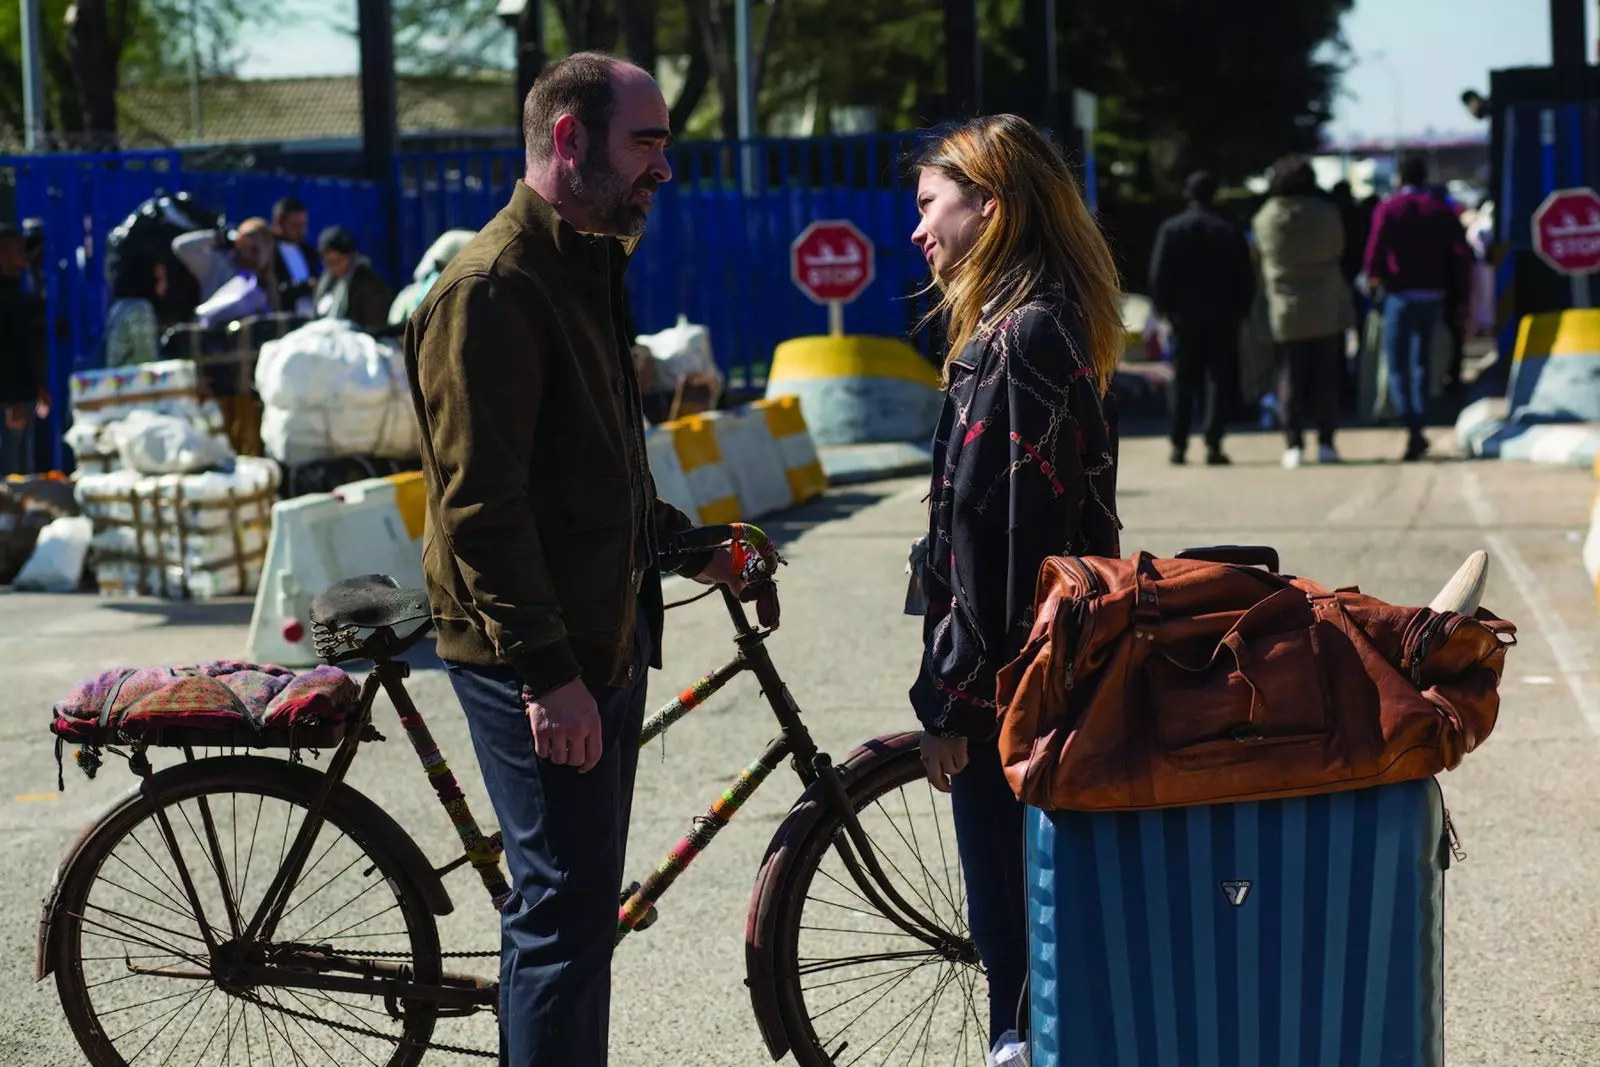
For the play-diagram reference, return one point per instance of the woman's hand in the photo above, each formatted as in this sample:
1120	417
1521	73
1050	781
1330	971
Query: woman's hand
941	758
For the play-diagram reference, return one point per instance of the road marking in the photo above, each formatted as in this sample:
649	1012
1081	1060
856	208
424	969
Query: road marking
1570	659
33	798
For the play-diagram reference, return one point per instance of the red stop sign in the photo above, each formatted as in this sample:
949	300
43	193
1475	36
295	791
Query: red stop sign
1566	230
831	261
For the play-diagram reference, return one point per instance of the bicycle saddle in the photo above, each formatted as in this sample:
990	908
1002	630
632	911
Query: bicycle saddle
368	602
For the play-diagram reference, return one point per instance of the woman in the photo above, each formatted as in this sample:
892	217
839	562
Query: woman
132	326
1301	238
349	288
1024	468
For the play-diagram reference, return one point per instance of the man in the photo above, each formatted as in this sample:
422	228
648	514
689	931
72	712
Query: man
294	261
540	551
216	257
350	288
24	391
1203	281
1417	255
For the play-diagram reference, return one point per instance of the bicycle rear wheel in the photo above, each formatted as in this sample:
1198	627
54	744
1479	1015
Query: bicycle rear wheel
853	987
134	972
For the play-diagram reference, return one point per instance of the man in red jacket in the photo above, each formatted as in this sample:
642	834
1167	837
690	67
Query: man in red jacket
1417	254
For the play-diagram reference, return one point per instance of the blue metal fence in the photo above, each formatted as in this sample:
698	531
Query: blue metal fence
717	250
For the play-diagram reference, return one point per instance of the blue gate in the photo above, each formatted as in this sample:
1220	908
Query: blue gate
717	251
80	199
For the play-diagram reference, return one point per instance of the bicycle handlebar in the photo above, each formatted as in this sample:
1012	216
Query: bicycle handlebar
755	558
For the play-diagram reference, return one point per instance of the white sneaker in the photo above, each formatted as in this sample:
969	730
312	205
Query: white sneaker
1009	1051
1291	458
1327	454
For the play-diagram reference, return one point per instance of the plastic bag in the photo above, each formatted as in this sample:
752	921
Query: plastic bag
681	349
56	565
152	443
239	298
331	390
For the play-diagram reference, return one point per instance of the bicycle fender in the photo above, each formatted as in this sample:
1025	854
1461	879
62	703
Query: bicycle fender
387	832
760	925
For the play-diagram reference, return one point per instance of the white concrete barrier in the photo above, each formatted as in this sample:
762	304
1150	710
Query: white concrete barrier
367	527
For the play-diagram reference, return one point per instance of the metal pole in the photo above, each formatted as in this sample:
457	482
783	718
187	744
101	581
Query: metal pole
963	59
32	78
747	97
1568	49
196	116
380	134
1580	291
835	319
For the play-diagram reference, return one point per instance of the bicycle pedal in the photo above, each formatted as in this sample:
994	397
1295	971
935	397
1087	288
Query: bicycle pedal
650	916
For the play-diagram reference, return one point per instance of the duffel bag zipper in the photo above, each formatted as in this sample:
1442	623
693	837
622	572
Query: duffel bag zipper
1422	645
1079	616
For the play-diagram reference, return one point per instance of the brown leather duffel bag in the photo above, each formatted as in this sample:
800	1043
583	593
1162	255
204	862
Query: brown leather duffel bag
1152	682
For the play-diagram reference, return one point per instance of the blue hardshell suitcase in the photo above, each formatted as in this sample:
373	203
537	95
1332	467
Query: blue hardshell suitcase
1286	933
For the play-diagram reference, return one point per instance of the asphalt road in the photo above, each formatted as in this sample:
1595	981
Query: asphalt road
1523	983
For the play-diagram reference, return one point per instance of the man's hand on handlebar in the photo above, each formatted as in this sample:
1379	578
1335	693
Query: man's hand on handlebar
721	571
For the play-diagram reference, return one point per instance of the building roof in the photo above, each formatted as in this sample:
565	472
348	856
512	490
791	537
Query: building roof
305	109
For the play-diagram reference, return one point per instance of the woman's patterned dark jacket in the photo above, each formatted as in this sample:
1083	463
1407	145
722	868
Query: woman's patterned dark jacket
1024	468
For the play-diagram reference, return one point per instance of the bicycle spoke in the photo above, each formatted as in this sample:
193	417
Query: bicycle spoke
392	907
135	893
306	899
176	1045
183	896
144	1004
337	1033
114	934
847	981
177	905
926	874
838	930
850	961
169	1017
907	1017
250	853
306	934
916	847
944	858
897	983
212	1039
302	1028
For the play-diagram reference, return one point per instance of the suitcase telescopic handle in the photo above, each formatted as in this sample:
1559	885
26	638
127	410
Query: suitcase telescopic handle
1243	555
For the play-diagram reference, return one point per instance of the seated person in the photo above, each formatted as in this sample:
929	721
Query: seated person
349	288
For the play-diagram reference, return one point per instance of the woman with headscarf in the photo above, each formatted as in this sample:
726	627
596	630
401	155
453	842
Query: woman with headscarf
133	331
349	288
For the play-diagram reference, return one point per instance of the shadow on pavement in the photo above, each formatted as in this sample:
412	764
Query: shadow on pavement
234	611
786	527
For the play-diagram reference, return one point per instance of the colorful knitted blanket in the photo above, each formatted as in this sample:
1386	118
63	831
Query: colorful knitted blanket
221	695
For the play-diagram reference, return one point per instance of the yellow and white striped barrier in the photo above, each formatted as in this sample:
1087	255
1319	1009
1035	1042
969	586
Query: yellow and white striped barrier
743	463
372	526
1555	370
798	453
717	468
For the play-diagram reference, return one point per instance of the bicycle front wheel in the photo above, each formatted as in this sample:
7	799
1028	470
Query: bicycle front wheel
853	986
136	970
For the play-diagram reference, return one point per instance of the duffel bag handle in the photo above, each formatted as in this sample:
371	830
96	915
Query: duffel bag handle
1242	555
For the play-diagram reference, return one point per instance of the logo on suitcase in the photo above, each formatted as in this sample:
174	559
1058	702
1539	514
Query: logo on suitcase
1236	892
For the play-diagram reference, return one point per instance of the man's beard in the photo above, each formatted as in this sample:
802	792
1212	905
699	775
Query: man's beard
607	195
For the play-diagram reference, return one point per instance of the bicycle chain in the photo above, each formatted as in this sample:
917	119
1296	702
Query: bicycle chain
436	1046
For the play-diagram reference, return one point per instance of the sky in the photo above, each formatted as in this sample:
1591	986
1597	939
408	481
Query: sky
1430	50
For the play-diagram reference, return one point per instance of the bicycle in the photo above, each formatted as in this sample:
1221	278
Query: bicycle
824	874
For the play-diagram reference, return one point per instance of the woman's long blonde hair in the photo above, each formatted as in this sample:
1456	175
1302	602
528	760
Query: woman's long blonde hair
1040	229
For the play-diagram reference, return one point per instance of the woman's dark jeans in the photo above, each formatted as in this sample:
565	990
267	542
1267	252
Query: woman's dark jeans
989	837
